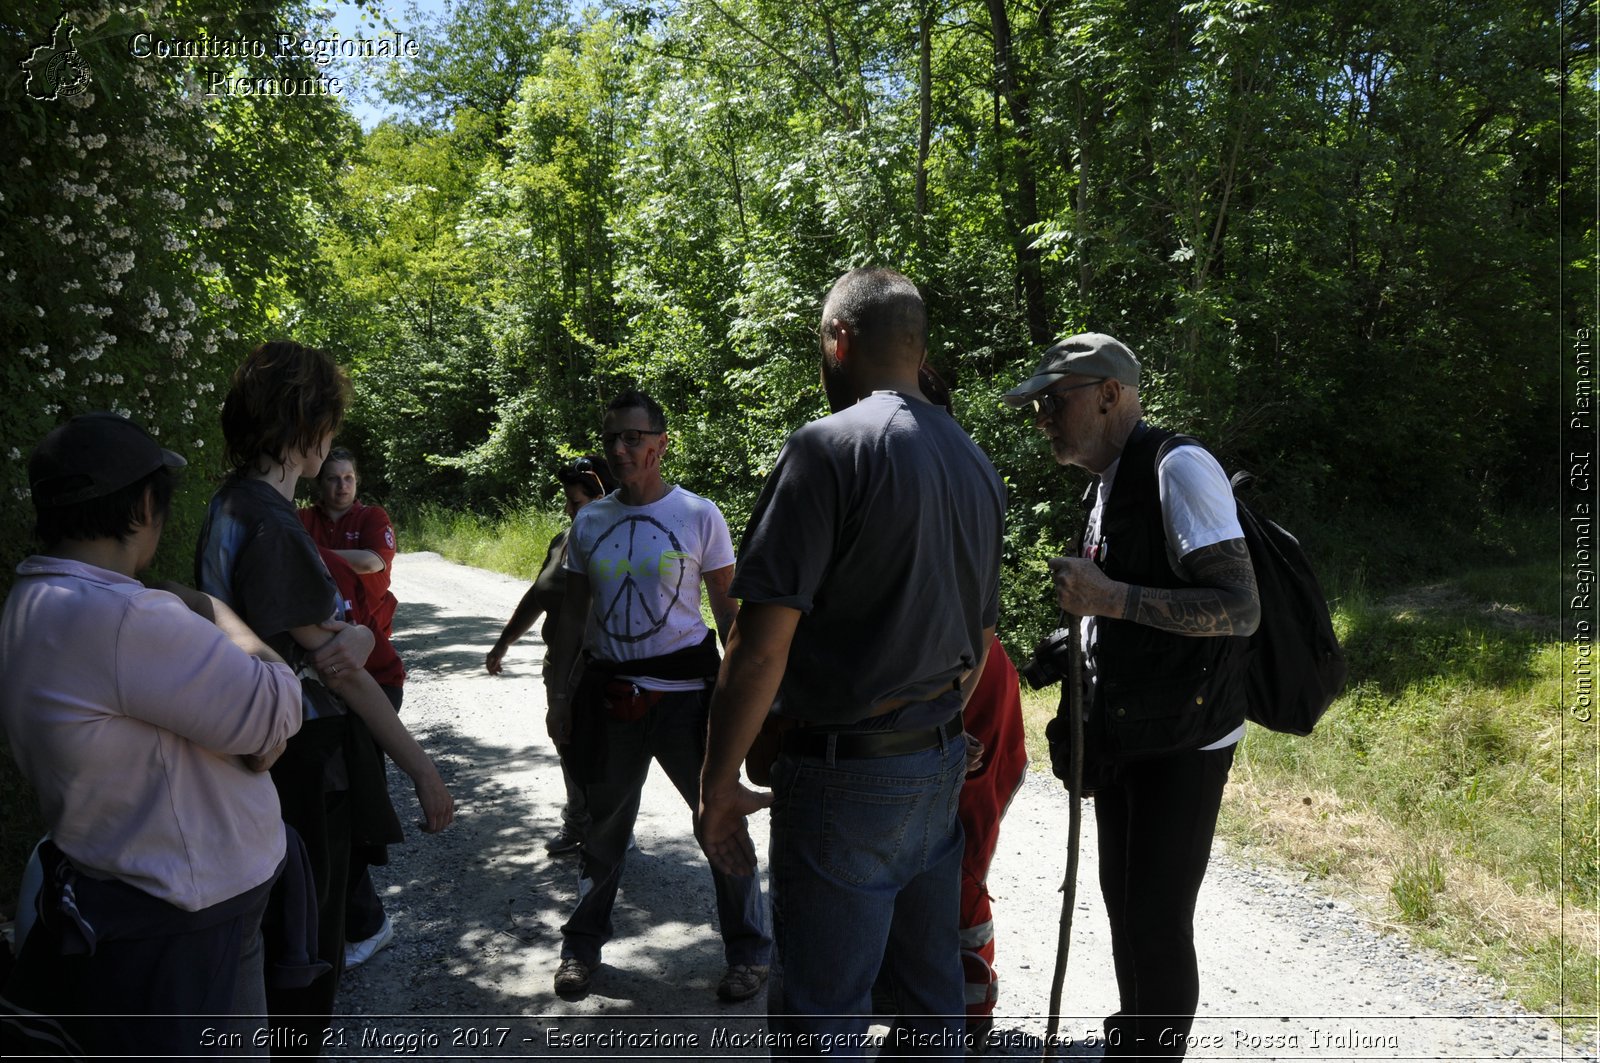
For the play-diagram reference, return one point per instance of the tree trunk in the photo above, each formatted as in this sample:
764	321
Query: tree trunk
1025	205
925	113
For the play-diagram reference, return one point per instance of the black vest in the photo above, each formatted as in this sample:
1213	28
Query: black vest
1156	693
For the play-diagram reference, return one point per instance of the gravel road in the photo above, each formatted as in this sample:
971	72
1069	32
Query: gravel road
1287	974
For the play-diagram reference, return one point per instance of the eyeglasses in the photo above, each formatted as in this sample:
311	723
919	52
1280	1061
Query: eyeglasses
1049	402
631	437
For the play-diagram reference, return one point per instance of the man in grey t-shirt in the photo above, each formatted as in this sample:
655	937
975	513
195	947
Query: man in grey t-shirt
869	576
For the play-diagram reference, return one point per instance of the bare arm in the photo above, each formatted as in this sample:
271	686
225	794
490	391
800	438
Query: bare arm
723	606
1224	600
561	658
363	561
752	669
525	616
346	651
969	682
361	693
227	621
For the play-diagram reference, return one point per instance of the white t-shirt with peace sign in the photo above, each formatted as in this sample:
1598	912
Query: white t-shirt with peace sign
644	565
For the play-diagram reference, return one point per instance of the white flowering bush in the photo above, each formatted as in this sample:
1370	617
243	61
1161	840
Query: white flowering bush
150	234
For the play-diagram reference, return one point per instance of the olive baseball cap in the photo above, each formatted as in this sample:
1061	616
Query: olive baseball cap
91	456
1086	354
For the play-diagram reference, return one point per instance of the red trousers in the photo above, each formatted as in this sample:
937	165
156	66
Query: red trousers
994	717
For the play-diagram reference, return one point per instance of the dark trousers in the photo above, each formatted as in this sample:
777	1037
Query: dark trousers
363	910
673	734
1155	824
127	975
299	1017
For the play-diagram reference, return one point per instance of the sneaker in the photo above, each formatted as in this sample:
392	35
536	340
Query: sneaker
563	844
742	981
358	952
572	978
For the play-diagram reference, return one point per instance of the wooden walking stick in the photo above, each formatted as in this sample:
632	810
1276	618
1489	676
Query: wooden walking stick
1072	697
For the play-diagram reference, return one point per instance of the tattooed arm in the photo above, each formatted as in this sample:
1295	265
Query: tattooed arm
1224	600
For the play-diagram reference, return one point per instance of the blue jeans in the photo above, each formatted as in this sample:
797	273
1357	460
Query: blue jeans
866	874
673	732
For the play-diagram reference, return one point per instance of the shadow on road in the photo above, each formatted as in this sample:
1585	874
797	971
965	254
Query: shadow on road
478	908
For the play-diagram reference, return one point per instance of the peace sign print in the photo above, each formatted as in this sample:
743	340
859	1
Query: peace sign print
637	567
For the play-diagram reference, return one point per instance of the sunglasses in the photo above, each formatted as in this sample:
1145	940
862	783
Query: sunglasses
1049	402
630	437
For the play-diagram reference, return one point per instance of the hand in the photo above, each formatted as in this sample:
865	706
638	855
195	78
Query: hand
492	659
1083	590
974	753
722	830
438	807
264	761
558	721
347	651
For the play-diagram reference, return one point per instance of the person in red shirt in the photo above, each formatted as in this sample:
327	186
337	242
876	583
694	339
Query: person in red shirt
357	544
364	538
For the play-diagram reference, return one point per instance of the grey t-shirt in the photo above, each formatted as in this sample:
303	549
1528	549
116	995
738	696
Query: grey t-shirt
882	524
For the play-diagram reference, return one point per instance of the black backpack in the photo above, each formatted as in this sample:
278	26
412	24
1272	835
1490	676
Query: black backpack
1294	666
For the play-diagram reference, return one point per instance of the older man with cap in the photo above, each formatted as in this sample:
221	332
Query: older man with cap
146	731
1166	594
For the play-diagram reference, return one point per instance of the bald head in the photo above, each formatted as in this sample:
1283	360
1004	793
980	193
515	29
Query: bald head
883	312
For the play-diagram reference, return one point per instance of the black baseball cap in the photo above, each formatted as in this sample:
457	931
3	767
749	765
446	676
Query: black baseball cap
91	456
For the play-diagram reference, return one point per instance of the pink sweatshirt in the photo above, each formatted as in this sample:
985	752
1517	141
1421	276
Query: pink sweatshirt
129	714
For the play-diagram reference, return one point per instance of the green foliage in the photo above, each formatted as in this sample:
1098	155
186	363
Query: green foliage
1330	232
1310	223
149	233
1416	889
478	55
1451	733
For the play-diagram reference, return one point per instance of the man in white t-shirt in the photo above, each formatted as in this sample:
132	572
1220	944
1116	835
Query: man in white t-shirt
1167	597
636	560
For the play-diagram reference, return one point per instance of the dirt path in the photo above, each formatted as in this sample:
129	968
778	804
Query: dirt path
1286	973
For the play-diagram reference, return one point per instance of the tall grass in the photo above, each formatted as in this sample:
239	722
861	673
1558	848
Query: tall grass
1449	778
513	541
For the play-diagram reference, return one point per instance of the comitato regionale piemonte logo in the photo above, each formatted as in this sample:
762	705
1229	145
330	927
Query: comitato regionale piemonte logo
56	70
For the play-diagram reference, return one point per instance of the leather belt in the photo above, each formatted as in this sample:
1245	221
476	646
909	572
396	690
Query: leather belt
814	742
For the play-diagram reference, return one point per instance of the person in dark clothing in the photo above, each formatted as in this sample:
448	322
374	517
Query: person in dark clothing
869	582
582	482
1166	595
283	406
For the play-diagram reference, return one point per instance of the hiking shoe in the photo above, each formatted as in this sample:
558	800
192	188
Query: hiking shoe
563	844
572	978
741	981
358	952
